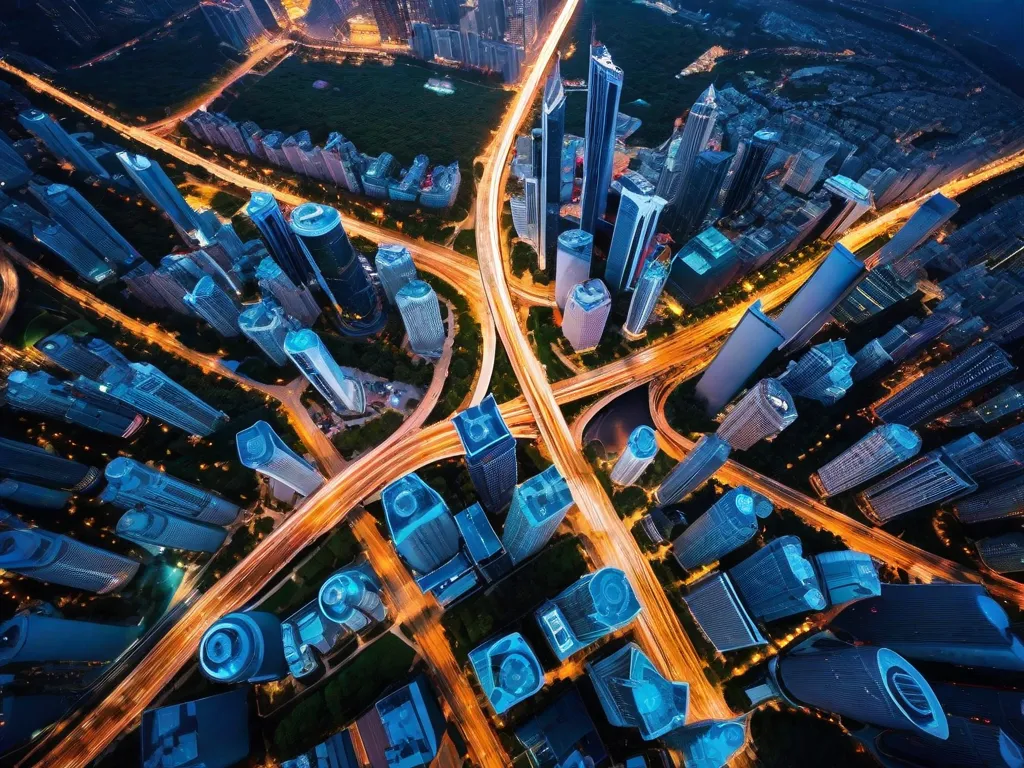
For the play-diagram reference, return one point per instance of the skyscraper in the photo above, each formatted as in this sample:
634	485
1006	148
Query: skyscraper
421	314
881	449
295	300
755	337
762	413
805	170
413	724
849	201
847	576
76	215
699	196
245	645
822	374
262	449
990	461
33	637
926	221
349	597
538	507
151	180
281	241
156	528
635	226
553	134
1004	501
60	143
508	671
778	581
395	268
73	252
392	17
704	266
686	144
720	614
645	297
234	22
586	314
85	358
314	361
33	495
751	167
705	458
640	450
14	171
267	326
421	526
213	732
572	266
971	744
727	525
41	393
932	478
604	88
807	311
131	484
215	306
1003	553
23	461
490	452
634	694
710	743
57	559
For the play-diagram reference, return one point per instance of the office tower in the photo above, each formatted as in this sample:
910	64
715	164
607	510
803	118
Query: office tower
640	450
295	300
73	212
41	393
704	266
848	202
805	170
822	374
282	243
1006	500
243	646
57	559
990	461
635	226
32	637
870	359
508	671
604	88
86	358
930	479
597	605
23	461
352	599
151	180
750	171
1004	553
952	623
421	314
726	526
879	450
538	507
156	528
778	581
562	734
522	20
421	526
875	686
33	495
491	18
634	694
267	325
1010	400
395	268
722	619
482	543
926	221
686	144
413	725
392	17
337	751
215	306
645	297
761	414
14	172
490	452
341	391
946	385
334	261
699	196
586	314
73	252
262	449
64	146
705	458
847	576
420	40
572	265
131	484
150	391
234	23
553	135
970	744
212	732
807	311
709	743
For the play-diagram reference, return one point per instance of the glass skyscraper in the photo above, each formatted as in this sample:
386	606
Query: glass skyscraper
572	266
281	241
131	484
932	478
705	265
156	528
926	221
822	374
23	461
686	144
586	314
395	268
604	89
32	637
267	326
421	526
421	314
778	581
89	358
215	306
807	311
553	134
508	671
727	525
645	297
313	359
881	449
57	559
765	411
538	507
74	403
700	195
705	458
73	252
151	180
295	299
751	167
60	143
640	450
490	452
351	598
635	226
262	449
243	646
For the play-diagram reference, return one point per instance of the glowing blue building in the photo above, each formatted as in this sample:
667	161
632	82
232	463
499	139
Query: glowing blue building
154	528
710	743
23	461
77	215
586	314
294	298
552	137
413	725
705	458
33	637
572	266
349	597
281	241
74	402
1004	553
60	143
538	507
151	180
212	303
635	225
686	143
490	452
822	374
73	252
645	297
727	525
57	559
778	581
421	314
762	413
604	89
421	527
262	449
87	358
267	326
395	268
705	265
637	456
131	484
721	615
847	576
246	645
508	671
881	449
314	361
807	311
33	495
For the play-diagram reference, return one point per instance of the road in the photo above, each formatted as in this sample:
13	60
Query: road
10	290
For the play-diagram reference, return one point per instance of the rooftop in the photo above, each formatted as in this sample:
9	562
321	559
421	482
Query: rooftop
481	426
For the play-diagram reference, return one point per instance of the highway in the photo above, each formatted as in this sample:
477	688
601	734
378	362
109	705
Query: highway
11	290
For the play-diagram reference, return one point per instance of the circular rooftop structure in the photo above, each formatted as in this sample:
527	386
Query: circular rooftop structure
13	635
314	219
911	693
339	595
614	600
518	674
231	648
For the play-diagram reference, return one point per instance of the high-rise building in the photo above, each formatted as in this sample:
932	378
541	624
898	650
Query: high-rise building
538	507
234	22
847	576
131	484
212	732
572	266
150	391
413	725
508	671
33	495
41	393
156	528
392	17
720	614
262	449
822	374
755	337
870	359
704	266
970	744
645	297
267	326
586	314
1006	500
151	180
604	89
23	461
807	311
951	623
64	146
640	450
634	694
727	525
1003	553
73	252
57	559
295	300
755	154
311	356
215	306
881	449
686	144
421	314
932	478
395	268
635	226
762	413
553	135
926	221
805	170
33	637
597	605
709	743
351	598
700	195
490	452
243	646
705	458
946	385
282	243
420	523
778	581
990	461
88	358
848	202
14	171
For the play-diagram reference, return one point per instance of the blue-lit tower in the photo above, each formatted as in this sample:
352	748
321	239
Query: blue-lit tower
351	598
57	559
750	171
778	581
640	450
131	484
395	268
33	637
76	403
807	311
597	605
572	263
508	671
86	358
553	134
73	252
314	361
60	143
701	193
490	452
295	299
33	495
156	528
635	225
281	241
267	326
727	525
879	450
847	576
710	743
705	458
151	180
421	526
586	314
262	449
215	306
686	144
24	461
243	646
604	89
645	297
77	215
822	374
421	314
762	413
538	507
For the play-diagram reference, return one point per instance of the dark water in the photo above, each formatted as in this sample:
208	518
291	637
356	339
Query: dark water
613	424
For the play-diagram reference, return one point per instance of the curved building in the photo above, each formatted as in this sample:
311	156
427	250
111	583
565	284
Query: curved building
421	314
23	461
246	645
33	495
421	526
32	637
281	241
350	598
1003	554
313	359
640	450
762	413
727	525
710	743
60	142
151	180
778	581
572	263
586	314
131	484
538	507
508	671
705	458
598	604
267	326
156	528
645	298
395	268
57	559
490	452
881	449
41	393
847	576
262	449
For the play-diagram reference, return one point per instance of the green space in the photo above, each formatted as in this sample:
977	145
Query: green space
546	332
787	737
339	549
466	352
352	441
